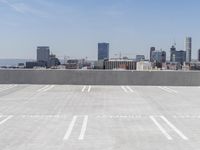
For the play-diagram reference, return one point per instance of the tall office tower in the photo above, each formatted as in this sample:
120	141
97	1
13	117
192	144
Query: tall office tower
172	53
199	54
188	49
159	56
43	53
103	51
152	49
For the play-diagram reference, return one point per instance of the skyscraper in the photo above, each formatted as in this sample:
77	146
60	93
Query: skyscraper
188	49
159	56
172	53
152	49
177	56
43	53
199	54
103	51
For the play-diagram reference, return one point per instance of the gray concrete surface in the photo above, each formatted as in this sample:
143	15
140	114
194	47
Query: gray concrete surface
91	77
78	117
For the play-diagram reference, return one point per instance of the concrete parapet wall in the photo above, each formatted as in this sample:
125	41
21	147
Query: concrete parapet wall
100	77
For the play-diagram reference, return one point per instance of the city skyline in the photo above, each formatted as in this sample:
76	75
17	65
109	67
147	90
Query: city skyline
73	28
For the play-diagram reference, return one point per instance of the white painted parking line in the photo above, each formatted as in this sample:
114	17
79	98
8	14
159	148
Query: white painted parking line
130	89
161	128
46	88
166	89
89	88
3	121
125	90
43	88
174	128
170	89
7	88
68	133
83	89
83	129
49	88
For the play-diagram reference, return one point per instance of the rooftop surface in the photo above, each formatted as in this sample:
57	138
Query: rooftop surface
69	117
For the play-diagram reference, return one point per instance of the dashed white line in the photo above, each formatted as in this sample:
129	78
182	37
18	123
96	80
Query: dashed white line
83	129
3	121
174	128
68	133
161	128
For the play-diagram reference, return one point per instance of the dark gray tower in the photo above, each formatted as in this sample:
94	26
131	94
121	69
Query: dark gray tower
199	54
172	53
152	49
43	53
103	51
188	49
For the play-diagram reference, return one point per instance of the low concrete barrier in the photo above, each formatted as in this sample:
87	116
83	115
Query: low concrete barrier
100	77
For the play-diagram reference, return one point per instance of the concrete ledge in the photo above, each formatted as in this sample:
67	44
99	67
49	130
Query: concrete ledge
100	77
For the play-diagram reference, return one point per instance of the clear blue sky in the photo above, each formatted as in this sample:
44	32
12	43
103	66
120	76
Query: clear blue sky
74	27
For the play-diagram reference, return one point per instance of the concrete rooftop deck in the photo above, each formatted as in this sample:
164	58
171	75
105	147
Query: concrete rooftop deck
72	117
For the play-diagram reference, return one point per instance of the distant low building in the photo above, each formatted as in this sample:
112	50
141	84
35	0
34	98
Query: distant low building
144	66
77	64
31	65
116	64
195	66
53	61
140	58
99	64
21	65
171	66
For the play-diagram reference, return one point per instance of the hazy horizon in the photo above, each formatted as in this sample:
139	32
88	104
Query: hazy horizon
73	28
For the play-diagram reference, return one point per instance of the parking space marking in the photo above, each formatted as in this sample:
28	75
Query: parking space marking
83	89
83	129
125	90
49	88
174	128
130	89
166	89
7	88
3	121
43	88
46	88
87	88
69	130
161	128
